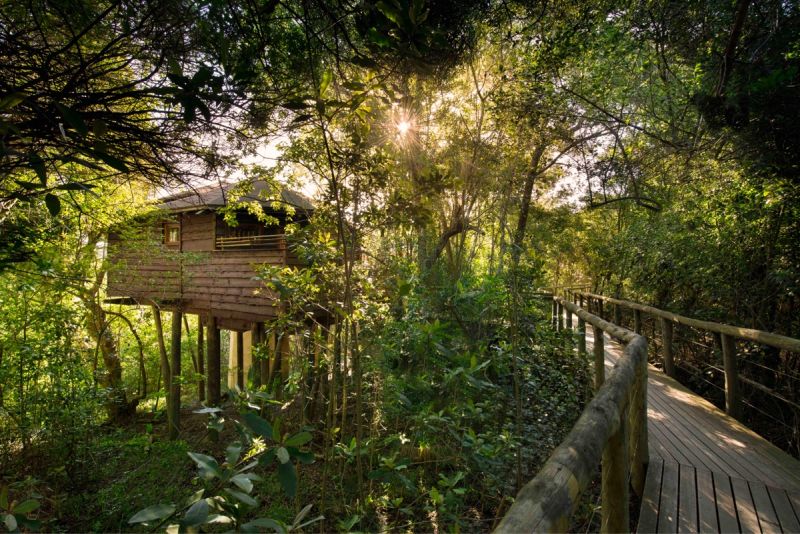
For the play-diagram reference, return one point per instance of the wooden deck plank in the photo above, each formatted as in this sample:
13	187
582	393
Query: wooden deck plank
715	475
794	498
790	521
706	502
735	443
725	446
783	509
767	517
686	435
748	519
687	500
648	514
668	507
726	507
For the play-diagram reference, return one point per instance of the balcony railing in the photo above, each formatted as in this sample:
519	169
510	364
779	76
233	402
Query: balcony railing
260	242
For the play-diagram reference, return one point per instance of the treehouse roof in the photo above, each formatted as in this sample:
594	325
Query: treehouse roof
218	195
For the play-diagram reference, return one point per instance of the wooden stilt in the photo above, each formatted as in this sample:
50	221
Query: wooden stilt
174	404
214	392
263	364
201	367
255	363
240	359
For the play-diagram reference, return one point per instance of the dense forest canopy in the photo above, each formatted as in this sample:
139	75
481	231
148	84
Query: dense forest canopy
462	154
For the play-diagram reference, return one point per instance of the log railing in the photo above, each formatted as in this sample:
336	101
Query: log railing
729	335
611	431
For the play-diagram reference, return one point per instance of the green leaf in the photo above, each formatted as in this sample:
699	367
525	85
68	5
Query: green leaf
11	522
299	439
207	410
257	525
11	101
287	476
152	513
232	453
378	38
365	62
28	186
243	497
389	12
73	118
258	425
75	186
53	204
4	498
325	82
111	161
209	468
37	164
26	507
303	457
296	104
244	483
99	128
283	455
196	515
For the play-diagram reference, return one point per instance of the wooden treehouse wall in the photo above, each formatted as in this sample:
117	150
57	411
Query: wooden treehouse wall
192	273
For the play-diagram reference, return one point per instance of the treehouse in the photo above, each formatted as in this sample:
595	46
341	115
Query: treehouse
191	258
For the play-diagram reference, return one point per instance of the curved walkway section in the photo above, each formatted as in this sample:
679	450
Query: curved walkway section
707	471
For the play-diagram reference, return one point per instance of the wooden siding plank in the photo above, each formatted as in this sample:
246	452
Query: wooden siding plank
668	508
726	506
648	513
687	500
767	517
748	519
706	502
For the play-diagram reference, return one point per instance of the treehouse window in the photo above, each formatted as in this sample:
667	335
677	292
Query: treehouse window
172	234
249	232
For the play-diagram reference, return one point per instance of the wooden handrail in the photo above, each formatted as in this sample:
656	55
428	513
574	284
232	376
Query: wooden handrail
612	431
728	336
738	332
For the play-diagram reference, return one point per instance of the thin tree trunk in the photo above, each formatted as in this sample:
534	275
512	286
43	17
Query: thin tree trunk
166	373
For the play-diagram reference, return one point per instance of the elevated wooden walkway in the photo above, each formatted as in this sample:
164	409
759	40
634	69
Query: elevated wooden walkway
708	472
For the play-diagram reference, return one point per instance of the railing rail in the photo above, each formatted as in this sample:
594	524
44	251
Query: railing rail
729	335
612	431
277	241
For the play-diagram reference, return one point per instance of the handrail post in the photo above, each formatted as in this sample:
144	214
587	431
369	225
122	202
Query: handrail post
560	316
554	313
581	337
733	398
614	492
637	321
617	315
599	358
666	347
640	450
569	320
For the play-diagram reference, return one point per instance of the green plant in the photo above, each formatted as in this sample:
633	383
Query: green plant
226	498
15	514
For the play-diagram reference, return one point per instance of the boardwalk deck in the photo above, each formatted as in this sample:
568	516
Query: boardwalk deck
708	472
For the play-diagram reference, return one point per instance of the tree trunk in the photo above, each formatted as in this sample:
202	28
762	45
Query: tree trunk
117	405
162	351
525	205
